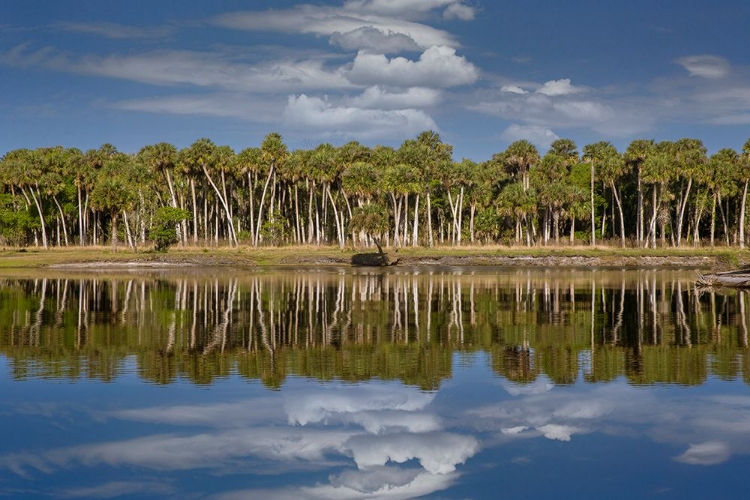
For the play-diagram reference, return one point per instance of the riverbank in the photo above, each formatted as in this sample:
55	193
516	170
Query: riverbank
247	257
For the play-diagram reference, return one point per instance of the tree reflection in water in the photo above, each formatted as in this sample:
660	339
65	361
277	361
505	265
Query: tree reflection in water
651	326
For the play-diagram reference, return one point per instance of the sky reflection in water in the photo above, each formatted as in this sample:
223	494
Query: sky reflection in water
478	435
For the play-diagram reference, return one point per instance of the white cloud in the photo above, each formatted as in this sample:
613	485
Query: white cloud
708	453
437	452
558	105
399	8
459	11
380	482
316	406
202	69
322	117
437	67
559	87
705	66
233	105
169	452
325	21
374	40
513	89
559	432
380	98
537	135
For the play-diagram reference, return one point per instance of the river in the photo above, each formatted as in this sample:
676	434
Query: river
368	383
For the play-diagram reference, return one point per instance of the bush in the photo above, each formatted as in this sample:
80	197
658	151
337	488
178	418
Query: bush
164	230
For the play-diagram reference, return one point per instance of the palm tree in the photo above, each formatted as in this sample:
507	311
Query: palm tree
635	156
690	155
432	152
205	156
273	153
519	158
723	166
612	169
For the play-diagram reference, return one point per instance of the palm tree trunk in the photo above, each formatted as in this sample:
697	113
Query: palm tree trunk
593	219
713	219
81	229
260	207
62	218
195	212
41	217
619	209
639	229
683	204
232	236
742	216
415	230
429	219
339	231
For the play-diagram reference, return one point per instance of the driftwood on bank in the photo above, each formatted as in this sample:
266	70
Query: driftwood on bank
373	259
732	279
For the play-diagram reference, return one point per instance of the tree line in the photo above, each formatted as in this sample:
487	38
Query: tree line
669	193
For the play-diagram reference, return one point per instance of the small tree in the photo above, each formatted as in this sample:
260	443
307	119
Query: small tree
373	220
164	230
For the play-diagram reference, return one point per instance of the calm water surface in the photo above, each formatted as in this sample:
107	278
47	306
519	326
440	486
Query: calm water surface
450	383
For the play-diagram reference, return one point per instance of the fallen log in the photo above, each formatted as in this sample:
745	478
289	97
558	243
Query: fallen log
731	279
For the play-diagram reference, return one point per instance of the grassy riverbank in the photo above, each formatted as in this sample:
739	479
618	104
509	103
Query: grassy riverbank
245	256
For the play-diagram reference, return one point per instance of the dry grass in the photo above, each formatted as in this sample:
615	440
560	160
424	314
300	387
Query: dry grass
311	254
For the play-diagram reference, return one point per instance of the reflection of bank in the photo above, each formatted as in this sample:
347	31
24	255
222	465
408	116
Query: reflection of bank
355	325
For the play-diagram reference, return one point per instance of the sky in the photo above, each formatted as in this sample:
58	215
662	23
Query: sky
481	73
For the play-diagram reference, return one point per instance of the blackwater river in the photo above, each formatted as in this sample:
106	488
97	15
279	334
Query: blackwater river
367	383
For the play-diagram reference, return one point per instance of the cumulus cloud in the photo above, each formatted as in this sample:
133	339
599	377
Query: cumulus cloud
559	432
374	40
438	66
378	97
437	452
537	135
559	87
368	403
320	116
705	66
514	89
708	453
459	11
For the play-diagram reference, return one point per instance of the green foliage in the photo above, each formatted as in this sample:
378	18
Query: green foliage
274	231
15	222
164	232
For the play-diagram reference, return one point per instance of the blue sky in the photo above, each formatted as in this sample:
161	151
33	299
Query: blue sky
483	74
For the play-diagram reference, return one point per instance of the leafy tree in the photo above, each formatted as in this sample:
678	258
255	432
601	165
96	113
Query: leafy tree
371	219
165	223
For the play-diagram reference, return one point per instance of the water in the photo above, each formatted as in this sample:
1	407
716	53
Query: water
444	383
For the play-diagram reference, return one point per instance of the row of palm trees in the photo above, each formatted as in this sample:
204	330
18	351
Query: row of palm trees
666	193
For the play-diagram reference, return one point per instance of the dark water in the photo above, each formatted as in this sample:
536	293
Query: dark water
473	383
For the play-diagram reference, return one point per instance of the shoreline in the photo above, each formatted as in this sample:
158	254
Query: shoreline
103	258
